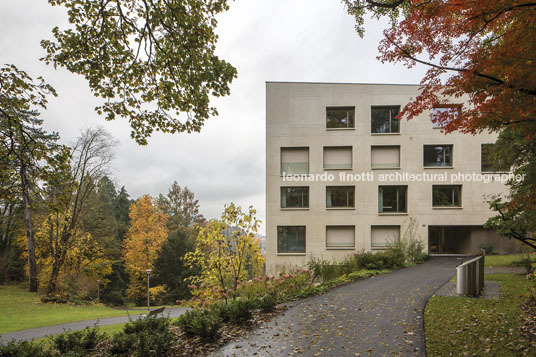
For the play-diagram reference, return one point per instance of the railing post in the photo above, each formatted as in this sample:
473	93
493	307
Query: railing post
470	277
461	279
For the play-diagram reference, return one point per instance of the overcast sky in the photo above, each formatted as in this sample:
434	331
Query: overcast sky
266	40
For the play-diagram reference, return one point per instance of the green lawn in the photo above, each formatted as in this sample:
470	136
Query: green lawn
457	326
20	310
504	260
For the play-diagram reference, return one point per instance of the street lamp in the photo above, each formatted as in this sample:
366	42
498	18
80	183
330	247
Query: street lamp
148	271
98	291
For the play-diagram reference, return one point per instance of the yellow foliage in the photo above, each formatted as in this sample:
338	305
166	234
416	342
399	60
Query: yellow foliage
227	253
147	232
85	256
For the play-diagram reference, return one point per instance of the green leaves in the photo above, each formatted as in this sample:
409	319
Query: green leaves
151	61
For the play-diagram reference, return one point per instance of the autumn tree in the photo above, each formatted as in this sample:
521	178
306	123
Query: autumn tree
479	49
69	192
151	62
144	239
227	252
29	155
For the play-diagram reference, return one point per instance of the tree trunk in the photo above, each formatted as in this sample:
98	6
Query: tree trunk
32	265
52	283
58	257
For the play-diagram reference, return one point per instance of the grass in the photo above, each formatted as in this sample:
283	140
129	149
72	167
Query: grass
507	260
456	326
21	310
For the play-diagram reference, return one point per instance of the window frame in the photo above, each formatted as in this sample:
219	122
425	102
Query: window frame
445	106
347	198
453	206
294	208
348	109
386	246
397	212
294	148
372	167
391	119
352	247
339	147
304	239
451	165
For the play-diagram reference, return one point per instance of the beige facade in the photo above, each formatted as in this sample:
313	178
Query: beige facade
298	139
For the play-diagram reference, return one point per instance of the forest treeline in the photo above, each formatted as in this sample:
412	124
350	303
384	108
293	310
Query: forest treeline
86	234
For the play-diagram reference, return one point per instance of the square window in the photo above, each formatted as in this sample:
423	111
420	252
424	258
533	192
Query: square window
340	117
295	161
291	239
382	236
392	199
385	157
384	119
341	237
437	155
294	197
446	195
443	114
489	162
338	157
340	196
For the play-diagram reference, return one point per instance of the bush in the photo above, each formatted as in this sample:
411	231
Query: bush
324	269
143	337
237	312
23	349
267	303
487	248
204	323
525	262
77	343
114	298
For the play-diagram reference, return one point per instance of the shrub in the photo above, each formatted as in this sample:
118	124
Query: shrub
143	337
324	270
291	283
487	248
114	298
77	343
237	312
23	349
268	302
204	323
525	262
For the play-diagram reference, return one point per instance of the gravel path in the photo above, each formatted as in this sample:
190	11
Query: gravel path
41	332
381	316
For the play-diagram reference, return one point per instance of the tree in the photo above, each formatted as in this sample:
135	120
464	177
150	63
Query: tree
170	267
69	192
183	210
122	203
28	154
144	239
227	252
148	60
483	50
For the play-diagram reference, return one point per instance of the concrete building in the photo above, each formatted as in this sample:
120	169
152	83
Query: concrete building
343	175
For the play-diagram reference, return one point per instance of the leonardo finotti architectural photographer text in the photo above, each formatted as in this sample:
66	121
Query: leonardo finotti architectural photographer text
405	177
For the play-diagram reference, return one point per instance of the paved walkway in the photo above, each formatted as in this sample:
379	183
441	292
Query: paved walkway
45	331
381	316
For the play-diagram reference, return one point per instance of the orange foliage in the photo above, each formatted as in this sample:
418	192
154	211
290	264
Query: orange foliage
147	233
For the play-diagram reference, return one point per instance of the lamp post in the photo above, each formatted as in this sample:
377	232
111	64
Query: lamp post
98	291
148	271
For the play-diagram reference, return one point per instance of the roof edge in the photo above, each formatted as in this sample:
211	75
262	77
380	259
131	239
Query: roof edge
346	83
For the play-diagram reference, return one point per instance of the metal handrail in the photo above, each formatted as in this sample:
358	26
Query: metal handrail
470	277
